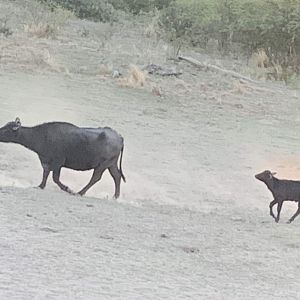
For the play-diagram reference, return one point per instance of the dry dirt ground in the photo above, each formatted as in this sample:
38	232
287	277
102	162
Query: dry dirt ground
192	222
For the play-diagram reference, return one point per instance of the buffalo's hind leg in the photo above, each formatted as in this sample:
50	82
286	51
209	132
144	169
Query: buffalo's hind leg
95	178
56	175
46	172
295	215
116	175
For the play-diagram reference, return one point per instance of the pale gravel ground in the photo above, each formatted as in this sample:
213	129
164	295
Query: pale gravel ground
192	222
200	192
55	246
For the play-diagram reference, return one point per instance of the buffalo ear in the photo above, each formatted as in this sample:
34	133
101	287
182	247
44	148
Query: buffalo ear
273	173
17	124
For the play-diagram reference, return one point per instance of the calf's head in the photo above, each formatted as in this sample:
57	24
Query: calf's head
9	132
265	176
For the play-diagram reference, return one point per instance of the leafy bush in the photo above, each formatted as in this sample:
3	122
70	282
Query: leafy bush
193	20
136	6
272	25
103	10
95	10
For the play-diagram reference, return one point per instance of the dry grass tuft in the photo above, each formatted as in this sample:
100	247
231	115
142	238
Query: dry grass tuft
40	30
260	59
52	63
240	87
135	78
152	30
157	91
29	57
105	70
259	65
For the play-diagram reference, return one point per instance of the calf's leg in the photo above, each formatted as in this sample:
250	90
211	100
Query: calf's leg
279	206
56	175
295	215
116	175
272	203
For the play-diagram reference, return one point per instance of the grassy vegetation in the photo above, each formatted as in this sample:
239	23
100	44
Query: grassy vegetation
104	10
267	30
271	25
45	23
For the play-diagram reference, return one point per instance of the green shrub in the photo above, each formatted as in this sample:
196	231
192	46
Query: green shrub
194	20
95	10
136	6
273	25
103	10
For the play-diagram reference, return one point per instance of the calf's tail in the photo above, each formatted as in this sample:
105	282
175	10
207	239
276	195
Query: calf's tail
123	177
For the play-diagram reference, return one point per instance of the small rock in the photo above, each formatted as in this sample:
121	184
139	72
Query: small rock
47	229
238	219
238	105
115	74
157	91
164	236
106	237
190	249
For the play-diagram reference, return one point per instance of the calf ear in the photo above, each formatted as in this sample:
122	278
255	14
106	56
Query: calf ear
273	173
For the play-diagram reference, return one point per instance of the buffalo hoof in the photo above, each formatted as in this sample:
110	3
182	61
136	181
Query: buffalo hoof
71	193
38	187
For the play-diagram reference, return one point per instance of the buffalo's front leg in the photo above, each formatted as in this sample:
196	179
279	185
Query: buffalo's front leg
272	203
46	172
56	175
279	206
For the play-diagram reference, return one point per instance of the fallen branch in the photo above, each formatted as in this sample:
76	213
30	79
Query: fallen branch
216	68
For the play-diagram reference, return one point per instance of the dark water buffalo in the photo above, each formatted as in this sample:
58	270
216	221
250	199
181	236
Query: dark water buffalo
60	144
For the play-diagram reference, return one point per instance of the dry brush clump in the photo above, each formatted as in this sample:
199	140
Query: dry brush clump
46	23
105	70
40	30
260	59
267	67
4	29
135	78
29	57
